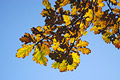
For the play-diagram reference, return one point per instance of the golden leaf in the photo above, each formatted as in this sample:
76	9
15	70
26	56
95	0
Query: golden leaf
105	37
75	57
84	50
82	44
116	41
55	65
65	2
89	15
47	4
74	11
67	19
63	66
39	29
72	66
45	49
23	52
39	56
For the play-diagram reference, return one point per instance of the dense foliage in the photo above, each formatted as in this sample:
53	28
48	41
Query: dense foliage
60	37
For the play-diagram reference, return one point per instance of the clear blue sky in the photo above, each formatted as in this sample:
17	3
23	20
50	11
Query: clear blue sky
17	17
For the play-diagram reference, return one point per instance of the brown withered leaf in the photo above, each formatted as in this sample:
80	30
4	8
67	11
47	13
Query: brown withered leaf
37	30
27	38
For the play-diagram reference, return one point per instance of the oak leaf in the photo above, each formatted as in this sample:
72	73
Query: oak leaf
67	19
63	66
84	50
39	56
47	4
27	38
55	65
23	52
72	66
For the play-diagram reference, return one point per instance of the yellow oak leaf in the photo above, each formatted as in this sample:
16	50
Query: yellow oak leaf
47	28
44	13
95	29
38	37
81	24
55	65
64	3
116	41
55	45
84	50
60	49
76	57
39	29
74	11
39	56
105	37
45	49
47	4
23	52
82	44
72	66
67	19
89	15
63	66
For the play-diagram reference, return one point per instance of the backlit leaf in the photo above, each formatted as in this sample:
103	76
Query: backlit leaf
67	19
45	49
82	44
72	66
63	66
55	65
65	2
47	4
84	50
23	52
39	56
76	57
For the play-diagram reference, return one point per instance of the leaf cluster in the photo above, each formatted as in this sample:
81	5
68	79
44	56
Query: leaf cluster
60	37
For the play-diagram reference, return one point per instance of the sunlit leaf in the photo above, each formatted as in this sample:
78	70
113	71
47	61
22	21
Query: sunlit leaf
45	49
76	57
47	4
82	44
72	66
39	56
84	50
65	2
55	65
63	66
67	19
23	52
